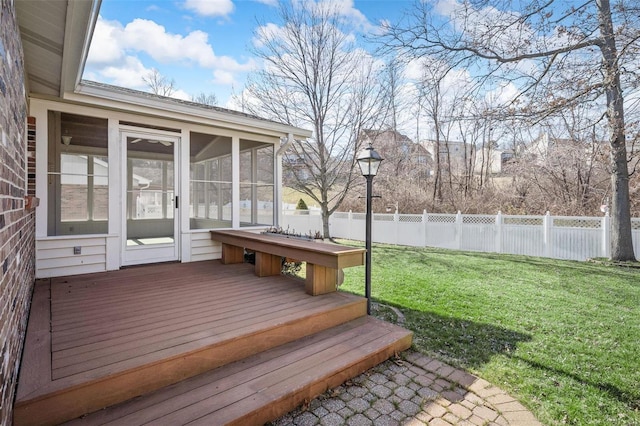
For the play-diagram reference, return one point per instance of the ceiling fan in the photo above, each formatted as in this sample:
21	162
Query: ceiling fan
165	143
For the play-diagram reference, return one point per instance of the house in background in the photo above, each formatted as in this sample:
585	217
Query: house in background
400	153
457	157
96	177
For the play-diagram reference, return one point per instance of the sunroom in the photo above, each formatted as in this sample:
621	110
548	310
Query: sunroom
127	178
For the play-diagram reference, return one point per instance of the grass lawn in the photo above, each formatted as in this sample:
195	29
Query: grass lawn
563	337
291	196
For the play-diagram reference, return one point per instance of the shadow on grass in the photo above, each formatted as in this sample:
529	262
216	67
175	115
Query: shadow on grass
469	345
461	343
615	392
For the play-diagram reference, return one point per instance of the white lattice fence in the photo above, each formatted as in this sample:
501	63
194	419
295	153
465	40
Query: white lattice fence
479	233
411	229
576	238
523	235
442	231
635	231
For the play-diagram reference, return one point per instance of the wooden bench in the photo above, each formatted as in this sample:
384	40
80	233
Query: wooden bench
324	260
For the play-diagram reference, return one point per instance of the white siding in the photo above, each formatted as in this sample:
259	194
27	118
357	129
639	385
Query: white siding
54	256
203	247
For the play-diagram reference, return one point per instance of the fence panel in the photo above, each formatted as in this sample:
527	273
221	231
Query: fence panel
384	227
576	238
523	235
410	230
635	232
442	231
339	226
302	222
478	233
572	238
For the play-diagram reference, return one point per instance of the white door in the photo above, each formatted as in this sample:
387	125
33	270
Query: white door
151	204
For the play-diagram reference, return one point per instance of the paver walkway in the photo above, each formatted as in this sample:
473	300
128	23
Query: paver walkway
412	390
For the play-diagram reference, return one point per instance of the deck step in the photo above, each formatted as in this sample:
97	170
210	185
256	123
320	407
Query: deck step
266	385
125	349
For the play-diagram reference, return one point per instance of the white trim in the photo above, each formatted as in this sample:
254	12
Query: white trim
42	152
183	190
235	182
80	22
111	99
153	253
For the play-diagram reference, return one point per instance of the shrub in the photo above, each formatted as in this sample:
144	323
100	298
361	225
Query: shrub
301	205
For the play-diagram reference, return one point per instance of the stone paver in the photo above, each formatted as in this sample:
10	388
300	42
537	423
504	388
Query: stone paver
414	390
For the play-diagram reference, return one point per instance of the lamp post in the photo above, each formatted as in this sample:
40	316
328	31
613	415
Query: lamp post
369	161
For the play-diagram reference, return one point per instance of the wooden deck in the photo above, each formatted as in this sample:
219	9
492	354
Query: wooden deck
98	340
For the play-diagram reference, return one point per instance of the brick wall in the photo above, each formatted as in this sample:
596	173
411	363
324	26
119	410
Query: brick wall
17	225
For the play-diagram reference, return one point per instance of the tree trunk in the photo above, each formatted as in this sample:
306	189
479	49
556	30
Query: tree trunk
621	236
325	222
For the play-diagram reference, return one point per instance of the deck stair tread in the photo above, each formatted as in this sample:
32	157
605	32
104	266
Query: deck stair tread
266	385
183	335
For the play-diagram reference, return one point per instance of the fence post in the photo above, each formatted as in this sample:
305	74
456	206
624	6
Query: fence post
499	232
396	220
546	223
606	235
459	230
349	225
425	222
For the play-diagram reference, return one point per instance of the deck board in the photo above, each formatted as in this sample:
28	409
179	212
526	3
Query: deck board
113	351
122	333
147	324
196	389
265	385
162	310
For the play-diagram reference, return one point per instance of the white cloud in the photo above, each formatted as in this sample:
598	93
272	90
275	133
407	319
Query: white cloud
210	7
269	31
104	49
225	78
272	3
128	73
446	7
502	95
181	94
485	26
345	9
114	50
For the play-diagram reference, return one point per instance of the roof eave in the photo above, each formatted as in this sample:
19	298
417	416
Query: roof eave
105	97
79	25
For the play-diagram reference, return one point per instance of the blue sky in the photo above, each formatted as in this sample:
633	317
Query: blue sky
203	45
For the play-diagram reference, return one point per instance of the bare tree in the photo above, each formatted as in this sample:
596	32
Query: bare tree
439	102
555	53
159	84
314	76
206	99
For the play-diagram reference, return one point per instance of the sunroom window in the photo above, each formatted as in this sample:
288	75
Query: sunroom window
78	175
210	182
256	183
